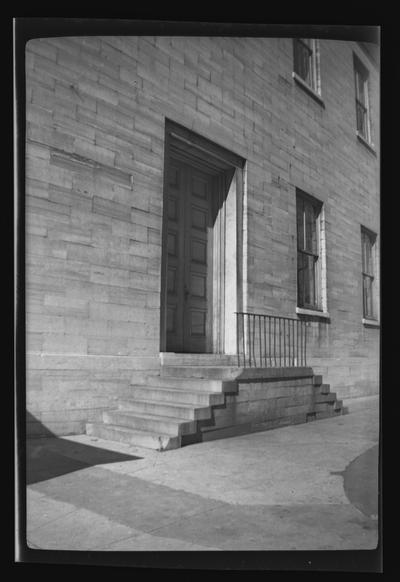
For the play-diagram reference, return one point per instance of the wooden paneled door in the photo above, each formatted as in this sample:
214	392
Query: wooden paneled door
189	258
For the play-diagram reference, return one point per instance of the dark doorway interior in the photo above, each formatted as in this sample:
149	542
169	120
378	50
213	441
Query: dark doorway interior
198	177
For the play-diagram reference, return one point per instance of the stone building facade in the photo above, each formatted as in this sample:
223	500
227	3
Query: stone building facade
113	126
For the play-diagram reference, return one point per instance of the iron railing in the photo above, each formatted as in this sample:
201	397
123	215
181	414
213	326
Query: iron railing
270	340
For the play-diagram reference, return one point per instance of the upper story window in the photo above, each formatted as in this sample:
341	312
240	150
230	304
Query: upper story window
368	240
306	62
309	256
361	77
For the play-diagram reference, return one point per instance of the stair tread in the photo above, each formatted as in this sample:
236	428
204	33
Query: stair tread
173	388
168	403
146	416
132	431
200	366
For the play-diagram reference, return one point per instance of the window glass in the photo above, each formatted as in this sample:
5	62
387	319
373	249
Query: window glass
307	252
368	275
306	61
362	103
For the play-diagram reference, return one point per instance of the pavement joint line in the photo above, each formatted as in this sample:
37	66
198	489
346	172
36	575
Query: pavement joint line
32	545
56	518
143	534
184	518
118	541
104	547
189	515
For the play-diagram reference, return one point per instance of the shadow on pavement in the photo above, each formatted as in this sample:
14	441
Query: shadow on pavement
47	458
360	482
50	456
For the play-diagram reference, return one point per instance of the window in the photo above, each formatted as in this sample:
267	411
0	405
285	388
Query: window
309	294
362	100
306	62
368	240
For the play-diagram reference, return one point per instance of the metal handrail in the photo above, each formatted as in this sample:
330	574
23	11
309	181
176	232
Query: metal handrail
270	340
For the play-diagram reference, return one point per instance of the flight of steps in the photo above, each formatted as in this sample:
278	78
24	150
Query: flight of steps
326	402
165	412
178	407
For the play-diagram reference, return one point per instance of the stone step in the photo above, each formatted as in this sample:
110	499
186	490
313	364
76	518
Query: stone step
235	373
169	409
317	380
176	395
324	388
189	383
207	372
326	397
150	422
338	405
146	439
321	415
217	432
328	406
176	359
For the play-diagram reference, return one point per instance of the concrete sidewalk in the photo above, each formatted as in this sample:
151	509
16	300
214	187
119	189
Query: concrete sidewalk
304	487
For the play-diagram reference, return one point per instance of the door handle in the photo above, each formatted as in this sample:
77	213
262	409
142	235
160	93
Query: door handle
186	292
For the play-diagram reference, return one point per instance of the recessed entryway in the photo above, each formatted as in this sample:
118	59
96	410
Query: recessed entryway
201	267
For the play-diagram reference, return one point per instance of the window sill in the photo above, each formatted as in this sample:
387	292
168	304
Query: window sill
366	143
313	313
370	322
316	96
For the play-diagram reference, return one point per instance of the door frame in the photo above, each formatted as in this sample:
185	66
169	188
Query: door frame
188	147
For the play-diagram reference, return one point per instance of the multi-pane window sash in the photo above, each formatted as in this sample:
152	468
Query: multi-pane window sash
305	65
308	253
368	241
362	103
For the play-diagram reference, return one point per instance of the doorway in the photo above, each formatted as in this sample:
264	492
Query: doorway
199	284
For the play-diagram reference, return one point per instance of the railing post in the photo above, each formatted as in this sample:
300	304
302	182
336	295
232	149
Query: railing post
249	339
284	342
244	340
237	340
305	343
293	337
269	340
301	342
265	341
254	341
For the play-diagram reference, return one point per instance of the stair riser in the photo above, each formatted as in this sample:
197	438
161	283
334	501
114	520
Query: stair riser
199	372
156	408
162	424
330	414
324	388
111	433
190	383
330	397
198	360
160	395
326	407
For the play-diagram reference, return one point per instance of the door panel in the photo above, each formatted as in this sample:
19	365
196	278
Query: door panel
175	271
189	269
